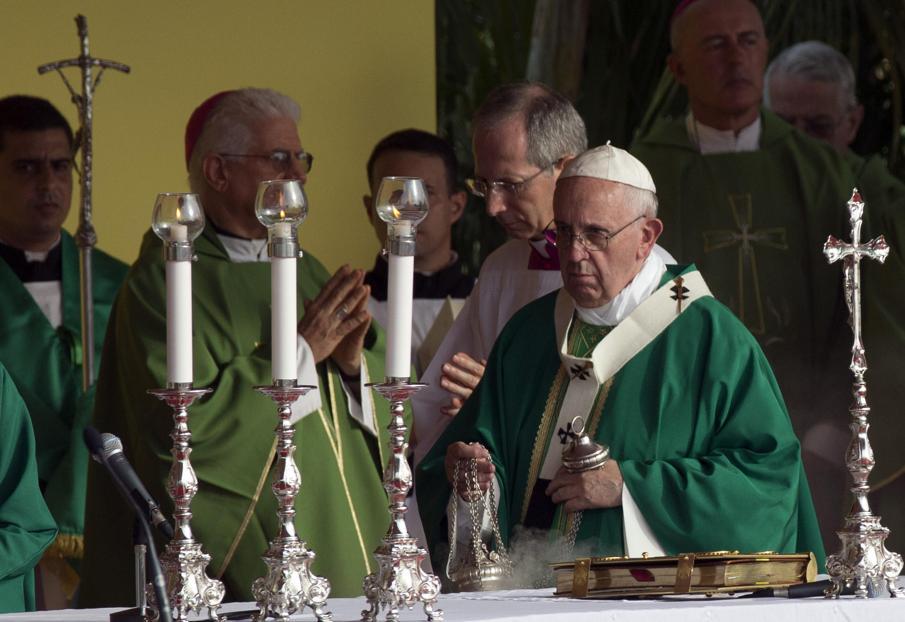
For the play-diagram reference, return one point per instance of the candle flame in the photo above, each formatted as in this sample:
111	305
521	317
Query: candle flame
282	215
396	213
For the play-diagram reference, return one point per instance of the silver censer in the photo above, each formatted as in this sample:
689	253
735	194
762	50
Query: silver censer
863	561
289	585
481	569
399	580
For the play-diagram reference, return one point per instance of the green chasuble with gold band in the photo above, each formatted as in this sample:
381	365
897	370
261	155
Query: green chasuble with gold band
342	507
26	526
694	419
46	365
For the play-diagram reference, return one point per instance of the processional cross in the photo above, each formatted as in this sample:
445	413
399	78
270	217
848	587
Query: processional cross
863	561
85	235
751	312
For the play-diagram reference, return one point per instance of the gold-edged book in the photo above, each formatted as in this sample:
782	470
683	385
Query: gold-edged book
687	573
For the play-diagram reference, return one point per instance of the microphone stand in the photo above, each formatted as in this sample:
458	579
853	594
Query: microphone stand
139	613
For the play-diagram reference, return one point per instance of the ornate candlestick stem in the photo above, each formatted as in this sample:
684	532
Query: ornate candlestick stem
177	220
863	561
184	563
289	584
399	580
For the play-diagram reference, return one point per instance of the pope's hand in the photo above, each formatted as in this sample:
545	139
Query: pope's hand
339	311
460	377
460	451
600	488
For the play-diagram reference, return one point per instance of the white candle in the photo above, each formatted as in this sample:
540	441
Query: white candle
179	319
282	230
179	233
283	318
399	329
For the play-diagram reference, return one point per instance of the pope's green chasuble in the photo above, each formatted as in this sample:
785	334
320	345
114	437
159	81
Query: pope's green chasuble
341	508
26	526
693	417
46	365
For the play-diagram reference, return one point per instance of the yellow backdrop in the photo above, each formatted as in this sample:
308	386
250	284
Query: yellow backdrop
359	68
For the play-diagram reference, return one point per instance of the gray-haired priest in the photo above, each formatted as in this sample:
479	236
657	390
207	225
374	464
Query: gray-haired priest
703	456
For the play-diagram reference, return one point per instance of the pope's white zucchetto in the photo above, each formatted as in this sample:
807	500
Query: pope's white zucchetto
610	163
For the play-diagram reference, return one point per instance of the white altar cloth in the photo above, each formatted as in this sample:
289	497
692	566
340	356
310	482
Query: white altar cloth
540	606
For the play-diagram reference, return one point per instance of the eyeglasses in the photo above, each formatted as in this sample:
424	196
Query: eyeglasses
281	159
482	188
822	127
592	239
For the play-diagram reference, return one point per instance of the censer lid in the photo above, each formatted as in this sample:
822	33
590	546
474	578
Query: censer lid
582	453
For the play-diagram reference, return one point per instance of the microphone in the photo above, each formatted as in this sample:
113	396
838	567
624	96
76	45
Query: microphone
108	450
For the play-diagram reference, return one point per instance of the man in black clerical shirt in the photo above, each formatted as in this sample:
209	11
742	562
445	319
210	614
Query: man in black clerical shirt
438	271
40	326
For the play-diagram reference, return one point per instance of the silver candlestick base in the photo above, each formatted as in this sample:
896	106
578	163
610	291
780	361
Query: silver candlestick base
189	588
399	580
289	585
863	563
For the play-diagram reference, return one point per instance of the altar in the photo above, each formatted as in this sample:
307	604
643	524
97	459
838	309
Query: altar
538	605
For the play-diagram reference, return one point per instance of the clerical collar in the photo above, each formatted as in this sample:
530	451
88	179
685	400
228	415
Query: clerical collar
642	286
544	255
710	140
446	282
31	266
243	250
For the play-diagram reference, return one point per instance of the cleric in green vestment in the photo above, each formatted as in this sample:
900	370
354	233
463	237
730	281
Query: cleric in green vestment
26	526
751	201
40	315
234	140
812	86
702	452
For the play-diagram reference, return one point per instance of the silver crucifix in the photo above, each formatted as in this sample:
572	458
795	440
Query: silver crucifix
85	235
863	561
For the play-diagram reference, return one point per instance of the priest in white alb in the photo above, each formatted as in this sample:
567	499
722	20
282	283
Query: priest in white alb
702	453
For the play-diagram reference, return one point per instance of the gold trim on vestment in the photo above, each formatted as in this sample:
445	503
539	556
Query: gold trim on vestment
544	431
541	439
243	526
336	445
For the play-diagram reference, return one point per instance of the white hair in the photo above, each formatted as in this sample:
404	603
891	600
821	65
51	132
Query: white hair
644	201
228	127
814	61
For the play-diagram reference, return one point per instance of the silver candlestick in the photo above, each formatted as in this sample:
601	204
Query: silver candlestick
184	563
399	580
863	561
289	585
